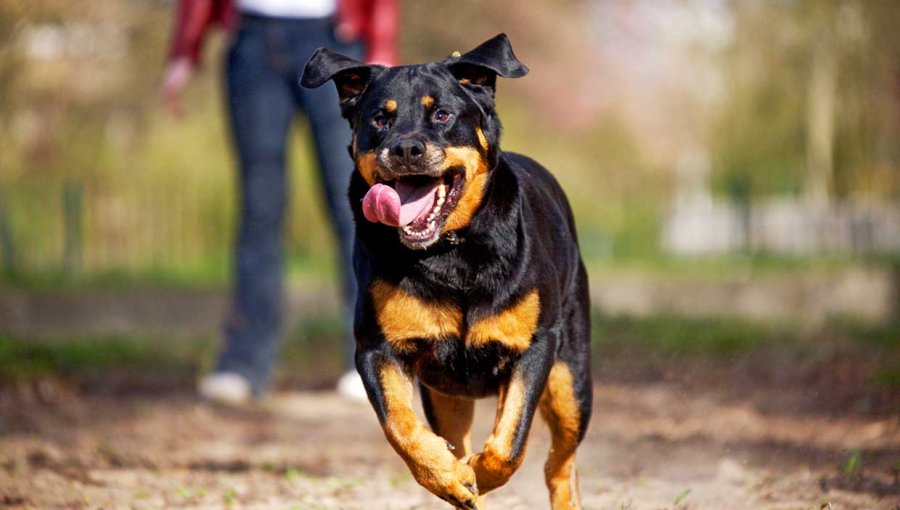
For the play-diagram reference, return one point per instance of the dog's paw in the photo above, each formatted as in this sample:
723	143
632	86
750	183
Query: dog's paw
492	469
448	478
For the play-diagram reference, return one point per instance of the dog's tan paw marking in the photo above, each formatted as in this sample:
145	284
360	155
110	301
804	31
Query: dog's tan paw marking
450	480
492	469
439	471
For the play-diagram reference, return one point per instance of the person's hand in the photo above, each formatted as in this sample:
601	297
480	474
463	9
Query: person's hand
178	74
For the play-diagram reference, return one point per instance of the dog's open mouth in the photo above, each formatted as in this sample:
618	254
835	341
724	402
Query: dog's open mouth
417	204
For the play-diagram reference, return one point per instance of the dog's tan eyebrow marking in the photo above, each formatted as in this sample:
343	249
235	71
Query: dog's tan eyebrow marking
513	327
427	101
390	106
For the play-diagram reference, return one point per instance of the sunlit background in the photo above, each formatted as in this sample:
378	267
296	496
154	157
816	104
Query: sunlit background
734	167
736	131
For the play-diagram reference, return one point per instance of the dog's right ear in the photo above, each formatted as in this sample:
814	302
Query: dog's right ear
351	77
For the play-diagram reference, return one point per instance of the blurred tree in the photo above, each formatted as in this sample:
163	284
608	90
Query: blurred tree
813	100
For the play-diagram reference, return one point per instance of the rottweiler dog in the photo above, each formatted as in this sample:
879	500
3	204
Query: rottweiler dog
470	277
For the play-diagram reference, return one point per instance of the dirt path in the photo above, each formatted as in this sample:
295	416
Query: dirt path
649	447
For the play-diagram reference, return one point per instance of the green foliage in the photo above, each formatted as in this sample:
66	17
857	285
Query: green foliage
670	334
22	359
852	466
681	497
160	197
760	140
887	378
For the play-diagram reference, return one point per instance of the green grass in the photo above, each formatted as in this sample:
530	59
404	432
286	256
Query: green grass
718	268
670	334
312	353
25	359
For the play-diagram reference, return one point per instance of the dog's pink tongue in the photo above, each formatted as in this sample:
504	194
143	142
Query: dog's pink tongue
397	208
415	201
382	205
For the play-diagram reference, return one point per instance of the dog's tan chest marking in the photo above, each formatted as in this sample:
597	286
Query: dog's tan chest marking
513	327
404	318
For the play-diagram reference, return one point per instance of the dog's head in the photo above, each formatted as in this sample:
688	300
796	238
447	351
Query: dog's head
424	136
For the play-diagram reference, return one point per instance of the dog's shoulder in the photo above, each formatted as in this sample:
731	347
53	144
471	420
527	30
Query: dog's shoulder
539	188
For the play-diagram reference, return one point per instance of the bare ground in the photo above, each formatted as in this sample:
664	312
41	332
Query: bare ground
650	446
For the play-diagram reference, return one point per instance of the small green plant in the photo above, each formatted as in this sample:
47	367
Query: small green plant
852	466
230	494
681	497
188	493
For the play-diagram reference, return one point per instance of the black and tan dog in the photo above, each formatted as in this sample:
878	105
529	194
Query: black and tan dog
469	272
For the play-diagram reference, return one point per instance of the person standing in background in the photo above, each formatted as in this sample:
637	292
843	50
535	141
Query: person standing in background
271	40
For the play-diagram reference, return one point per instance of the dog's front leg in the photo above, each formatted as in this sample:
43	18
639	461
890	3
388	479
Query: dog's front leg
428	455
516	403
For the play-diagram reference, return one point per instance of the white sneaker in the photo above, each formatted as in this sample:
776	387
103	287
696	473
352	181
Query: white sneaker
350	386
225	388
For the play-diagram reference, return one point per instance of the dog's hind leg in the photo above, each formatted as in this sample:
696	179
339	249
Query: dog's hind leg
450	418
566	407
560	408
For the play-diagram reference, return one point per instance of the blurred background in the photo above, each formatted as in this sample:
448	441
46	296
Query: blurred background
734	167
727	160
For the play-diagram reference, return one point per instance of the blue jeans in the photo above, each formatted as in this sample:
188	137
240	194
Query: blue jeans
263	70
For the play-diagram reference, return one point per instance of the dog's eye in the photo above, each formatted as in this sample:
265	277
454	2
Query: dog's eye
379	121
441	116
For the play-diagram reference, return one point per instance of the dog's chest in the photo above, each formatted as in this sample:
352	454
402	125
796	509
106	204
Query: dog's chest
409	323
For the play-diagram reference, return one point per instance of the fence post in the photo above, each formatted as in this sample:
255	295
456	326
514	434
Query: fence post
73	209
7	248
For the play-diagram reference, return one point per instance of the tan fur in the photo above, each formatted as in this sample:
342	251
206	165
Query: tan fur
482	140
560	409
427	101
390	106
513	327
367	166
495	465
454	419
473	191
427	456
403	317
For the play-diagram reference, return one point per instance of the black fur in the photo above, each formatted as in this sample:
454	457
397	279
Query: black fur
522	237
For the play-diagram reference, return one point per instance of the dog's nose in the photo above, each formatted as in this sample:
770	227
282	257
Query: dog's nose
407	151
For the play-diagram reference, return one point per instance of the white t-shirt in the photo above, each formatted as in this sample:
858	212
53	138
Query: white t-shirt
288	8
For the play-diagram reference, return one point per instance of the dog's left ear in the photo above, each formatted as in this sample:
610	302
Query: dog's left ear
490	59
350	76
